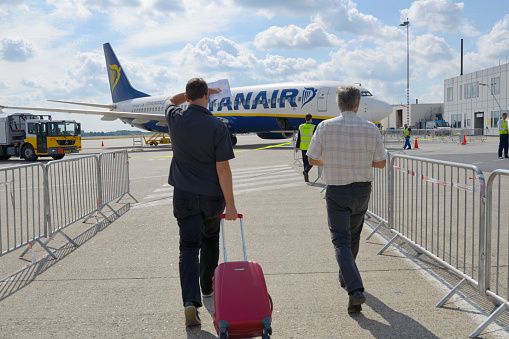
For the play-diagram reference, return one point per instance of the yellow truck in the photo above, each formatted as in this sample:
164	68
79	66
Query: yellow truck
30	136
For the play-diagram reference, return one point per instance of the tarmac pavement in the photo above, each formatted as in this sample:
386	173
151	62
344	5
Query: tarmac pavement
123	282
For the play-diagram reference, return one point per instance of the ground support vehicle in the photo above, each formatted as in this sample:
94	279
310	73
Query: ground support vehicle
30	136
158	138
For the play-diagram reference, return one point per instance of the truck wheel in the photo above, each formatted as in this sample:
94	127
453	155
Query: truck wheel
29	153
57	157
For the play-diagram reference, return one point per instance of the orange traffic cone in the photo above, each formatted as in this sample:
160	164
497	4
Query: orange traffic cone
416	145
464	140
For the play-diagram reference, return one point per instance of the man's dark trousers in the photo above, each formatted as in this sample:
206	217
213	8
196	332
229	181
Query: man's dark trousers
307	166
346	207
504	143
198	219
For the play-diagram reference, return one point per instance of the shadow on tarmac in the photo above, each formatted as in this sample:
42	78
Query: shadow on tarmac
27	275
400	325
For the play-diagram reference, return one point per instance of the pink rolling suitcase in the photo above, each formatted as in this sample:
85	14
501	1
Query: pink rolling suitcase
242	305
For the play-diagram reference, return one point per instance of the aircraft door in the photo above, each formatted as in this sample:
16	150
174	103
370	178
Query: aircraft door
42	139
323	94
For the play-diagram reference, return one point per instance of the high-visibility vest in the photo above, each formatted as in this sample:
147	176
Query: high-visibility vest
503	124
306	133
406	133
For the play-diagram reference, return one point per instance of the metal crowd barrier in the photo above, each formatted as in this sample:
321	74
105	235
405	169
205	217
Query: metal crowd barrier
378	207
73	192
114	177
437	207
297	156
41	201
455	135
497	244
22	213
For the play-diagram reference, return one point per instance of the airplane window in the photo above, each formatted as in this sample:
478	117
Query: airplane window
366	94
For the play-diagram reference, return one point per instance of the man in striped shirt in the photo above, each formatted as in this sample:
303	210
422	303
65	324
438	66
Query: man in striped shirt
347	147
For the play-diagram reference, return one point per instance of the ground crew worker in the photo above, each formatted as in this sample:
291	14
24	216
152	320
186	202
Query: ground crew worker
406	134
306	131
504	137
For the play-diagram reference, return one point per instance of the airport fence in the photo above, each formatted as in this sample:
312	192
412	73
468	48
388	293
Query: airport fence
41	201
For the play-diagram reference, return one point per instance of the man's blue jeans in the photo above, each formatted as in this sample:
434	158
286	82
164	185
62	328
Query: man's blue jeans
346	207
407	142
198	218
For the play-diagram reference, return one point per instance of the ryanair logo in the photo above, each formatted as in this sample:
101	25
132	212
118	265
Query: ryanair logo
307	95
114	76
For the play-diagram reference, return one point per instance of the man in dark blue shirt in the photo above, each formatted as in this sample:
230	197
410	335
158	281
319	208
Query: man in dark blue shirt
201	176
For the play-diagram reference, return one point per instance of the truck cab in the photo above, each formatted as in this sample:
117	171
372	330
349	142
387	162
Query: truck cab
29	136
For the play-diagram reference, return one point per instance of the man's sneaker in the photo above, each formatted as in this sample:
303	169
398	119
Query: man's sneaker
306	176
208	295
500	158
192	315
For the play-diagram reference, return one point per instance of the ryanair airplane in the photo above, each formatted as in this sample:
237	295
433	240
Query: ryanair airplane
272	111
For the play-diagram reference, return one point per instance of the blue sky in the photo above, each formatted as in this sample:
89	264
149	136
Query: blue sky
53	49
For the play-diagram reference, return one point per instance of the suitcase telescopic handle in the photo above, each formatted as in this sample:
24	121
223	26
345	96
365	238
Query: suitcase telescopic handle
241	232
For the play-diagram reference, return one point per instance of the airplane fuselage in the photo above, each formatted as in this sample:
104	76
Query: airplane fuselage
265	108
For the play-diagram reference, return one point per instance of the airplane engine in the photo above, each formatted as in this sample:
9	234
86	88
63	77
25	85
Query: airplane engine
275	135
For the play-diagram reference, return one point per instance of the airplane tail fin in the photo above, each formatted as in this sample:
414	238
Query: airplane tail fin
121	88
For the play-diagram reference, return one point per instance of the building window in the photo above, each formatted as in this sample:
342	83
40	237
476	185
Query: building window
494	119
449	94
456	120
495	85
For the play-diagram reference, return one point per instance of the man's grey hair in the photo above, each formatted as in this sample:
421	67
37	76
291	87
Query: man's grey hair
348	97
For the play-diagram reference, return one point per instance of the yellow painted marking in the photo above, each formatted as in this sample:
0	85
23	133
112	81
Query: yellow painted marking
239	151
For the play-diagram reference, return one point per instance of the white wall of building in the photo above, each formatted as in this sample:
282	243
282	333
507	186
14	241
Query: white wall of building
470	104
417	113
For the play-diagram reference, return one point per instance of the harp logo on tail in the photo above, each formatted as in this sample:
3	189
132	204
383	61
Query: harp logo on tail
114	76
307	95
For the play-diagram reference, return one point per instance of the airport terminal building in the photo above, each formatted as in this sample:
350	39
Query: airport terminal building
477	100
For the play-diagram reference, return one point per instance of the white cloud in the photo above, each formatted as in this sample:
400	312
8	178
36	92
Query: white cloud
495	44
293	37
70	9
271	8
16	49
435	15
344	17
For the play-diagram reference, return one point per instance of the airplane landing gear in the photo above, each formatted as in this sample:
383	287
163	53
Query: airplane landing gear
234	139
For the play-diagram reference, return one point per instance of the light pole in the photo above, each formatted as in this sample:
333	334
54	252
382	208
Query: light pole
494	97
407	23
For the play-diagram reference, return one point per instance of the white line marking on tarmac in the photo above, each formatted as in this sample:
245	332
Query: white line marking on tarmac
247	180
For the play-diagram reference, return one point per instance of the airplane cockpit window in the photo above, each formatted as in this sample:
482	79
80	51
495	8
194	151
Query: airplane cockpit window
366	94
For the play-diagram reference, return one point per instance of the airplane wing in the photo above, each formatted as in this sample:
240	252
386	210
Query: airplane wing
86	104
140	118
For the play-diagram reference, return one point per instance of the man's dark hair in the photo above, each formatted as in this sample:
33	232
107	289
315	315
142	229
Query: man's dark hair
309	117
196	88
348	97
